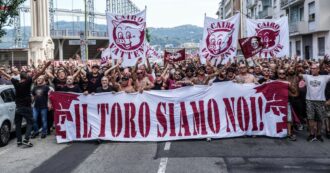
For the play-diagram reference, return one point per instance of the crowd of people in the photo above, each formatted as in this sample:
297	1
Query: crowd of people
309	91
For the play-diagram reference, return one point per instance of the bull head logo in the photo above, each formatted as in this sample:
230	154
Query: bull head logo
268	37
218	40
128	35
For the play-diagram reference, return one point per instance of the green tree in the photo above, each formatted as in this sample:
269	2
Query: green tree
8	10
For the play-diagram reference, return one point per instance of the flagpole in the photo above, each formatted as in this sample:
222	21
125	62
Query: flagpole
241	16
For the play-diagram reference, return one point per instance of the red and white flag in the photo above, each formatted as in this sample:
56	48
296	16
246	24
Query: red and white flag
127	36
220	38
274	34
151	52
250	46
176	56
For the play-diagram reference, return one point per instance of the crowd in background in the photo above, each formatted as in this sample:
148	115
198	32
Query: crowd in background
309	91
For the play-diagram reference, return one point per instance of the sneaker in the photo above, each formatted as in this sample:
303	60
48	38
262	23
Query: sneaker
300	127
34	135
292	138
208	139
27	143
311	138
43	136
19	144
319	138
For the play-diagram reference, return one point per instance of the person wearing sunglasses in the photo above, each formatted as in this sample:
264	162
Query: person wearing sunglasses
265	76
141	81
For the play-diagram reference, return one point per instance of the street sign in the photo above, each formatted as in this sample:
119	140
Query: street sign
78	42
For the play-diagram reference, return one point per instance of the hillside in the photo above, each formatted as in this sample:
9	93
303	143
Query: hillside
159	36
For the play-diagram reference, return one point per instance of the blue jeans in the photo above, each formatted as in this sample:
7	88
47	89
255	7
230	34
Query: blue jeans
43	113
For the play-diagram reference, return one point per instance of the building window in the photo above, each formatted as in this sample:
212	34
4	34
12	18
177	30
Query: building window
301	13
298	48
321	45
311	12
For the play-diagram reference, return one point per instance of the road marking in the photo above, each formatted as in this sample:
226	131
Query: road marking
167	146
162	165
163	161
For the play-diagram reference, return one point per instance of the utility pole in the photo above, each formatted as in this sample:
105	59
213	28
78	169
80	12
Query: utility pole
86	33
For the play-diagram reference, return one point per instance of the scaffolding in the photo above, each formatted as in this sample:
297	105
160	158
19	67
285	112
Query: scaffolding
18	30
113	6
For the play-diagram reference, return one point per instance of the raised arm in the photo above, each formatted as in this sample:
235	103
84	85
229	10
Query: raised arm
113	67
149	69
50	75
76	73
42	70
5	74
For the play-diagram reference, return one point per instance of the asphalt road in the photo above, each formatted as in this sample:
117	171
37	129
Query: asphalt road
192	156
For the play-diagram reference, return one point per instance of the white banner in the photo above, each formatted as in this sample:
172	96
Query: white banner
220	38
274	34
105	56
127	36
222	110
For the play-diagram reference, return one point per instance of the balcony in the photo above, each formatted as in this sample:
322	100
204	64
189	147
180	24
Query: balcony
62	34
252	3
299	27
266	3
287	3
267	13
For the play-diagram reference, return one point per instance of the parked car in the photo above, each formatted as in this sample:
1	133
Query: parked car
7	113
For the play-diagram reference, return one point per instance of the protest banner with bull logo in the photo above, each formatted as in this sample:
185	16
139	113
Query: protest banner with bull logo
175	56
250	46
222	110
105	55
127	36
274	34
220	38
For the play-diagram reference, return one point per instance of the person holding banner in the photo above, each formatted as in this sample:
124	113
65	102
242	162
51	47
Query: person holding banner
265	76
70	86
106	87
282	77
126	85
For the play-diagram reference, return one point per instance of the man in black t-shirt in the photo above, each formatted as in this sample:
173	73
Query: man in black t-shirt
70	86
106	87
59	81
265	77
94	79
40	97
23	103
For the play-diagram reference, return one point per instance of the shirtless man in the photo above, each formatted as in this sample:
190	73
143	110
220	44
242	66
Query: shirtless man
244	76
126	86
142	82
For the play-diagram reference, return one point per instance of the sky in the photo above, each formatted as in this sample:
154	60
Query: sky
169	13
160	13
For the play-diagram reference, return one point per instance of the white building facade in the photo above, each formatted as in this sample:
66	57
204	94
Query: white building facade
309	24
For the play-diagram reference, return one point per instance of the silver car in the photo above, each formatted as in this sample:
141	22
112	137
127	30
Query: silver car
7	113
